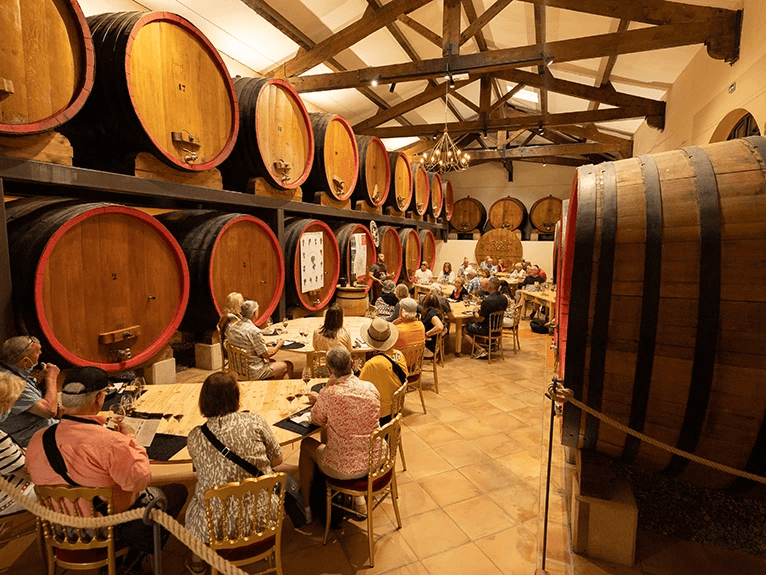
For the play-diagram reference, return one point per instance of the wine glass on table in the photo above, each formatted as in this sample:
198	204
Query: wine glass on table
306	376
284	323
118	414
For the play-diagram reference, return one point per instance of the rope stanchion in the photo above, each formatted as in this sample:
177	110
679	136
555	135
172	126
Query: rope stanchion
564	395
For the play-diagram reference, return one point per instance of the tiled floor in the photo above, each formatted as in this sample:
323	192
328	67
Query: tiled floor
470	498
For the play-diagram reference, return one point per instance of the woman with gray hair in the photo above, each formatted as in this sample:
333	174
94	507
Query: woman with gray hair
12	463
244	334
348	408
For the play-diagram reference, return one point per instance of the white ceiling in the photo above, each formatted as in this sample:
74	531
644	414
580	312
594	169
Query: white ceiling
251	45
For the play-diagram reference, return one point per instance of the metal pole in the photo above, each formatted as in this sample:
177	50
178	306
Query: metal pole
548	480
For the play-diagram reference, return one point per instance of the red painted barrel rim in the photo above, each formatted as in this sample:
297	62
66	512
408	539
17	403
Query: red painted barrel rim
371	242
175	321
449	200
378	142
416	169
564	276
194	31
429	235
409	179
385	230
413	233
297	266
437	209
352	138
307	121
81	94
280	259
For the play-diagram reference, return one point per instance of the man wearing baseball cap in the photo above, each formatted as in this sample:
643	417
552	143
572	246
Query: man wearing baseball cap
82	451
381	370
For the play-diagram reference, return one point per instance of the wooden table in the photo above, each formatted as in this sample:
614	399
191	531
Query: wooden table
425	289
306	325
266	398
546	298
463	313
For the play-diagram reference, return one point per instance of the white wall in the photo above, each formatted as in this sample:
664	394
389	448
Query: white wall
453	251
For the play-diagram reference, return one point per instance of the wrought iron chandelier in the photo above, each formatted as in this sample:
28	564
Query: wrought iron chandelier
445	156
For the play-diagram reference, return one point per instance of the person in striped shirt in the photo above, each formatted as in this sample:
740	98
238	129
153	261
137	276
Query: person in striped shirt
12	463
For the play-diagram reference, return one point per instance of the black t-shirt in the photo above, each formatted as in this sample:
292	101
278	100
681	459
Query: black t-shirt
529	280
493	302
379	270
389	297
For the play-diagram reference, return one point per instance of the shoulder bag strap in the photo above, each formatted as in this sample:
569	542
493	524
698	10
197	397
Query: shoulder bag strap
53	453
397	369
229	454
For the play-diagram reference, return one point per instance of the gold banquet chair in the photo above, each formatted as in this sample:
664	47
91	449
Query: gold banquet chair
414	356
237	531
239	362
397	405
73	547
380	480
317	363
494	339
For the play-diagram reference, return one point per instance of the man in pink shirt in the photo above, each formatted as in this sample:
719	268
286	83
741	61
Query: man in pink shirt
95	456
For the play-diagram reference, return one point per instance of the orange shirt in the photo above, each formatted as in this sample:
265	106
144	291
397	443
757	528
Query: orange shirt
410	333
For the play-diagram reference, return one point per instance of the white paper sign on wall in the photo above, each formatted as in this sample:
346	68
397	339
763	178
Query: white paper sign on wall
312	262
358	255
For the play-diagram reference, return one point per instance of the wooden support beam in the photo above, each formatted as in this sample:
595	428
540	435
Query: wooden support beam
470	13
591	132
607	65
485	99
546	151
416	148
348	37
475	26
526	121
464	100
429	35
507	96
629	42
451	28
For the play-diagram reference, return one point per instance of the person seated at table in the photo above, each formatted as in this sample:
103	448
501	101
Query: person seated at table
518	272
401	291
246	335
531	283
12	463
424	275
93	455
231	314
488	265
474	282
480	326
464	266
505	290
447	276
431	318
542	273
387	301
348	408
331	332
37	406
502	266
411	330
246	434
444	305
379	369
460	290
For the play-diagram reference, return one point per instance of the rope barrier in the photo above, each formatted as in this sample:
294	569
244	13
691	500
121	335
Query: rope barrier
179	531
564	395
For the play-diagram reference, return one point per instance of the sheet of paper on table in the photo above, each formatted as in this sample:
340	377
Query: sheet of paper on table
303	419
146	429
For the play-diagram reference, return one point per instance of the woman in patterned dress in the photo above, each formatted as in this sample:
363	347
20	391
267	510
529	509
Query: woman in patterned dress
12	462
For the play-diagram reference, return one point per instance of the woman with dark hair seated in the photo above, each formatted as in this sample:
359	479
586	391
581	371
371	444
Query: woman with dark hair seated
246	434
432	320
332	332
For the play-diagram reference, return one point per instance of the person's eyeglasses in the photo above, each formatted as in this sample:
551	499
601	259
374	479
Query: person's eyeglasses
32	341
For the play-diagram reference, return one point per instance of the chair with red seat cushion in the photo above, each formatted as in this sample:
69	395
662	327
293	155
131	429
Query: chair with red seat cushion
380	479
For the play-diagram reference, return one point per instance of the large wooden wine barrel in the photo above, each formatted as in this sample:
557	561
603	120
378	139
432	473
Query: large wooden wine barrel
421	189
400	192
428	247
508	214
226	253
663	300
275	138
353	300
437	194
347	234
469	215
391	247
336	156
449	201
47	65
374	171
162	88
544	214
500	244
410	252
93	280
327	245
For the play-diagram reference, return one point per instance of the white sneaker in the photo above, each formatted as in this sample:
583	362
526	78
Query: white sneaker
360	505
479	353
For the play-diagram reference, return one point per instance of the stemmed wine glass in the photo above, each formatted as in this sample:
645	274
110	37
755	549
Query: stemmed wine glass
284	323
118	414
306	377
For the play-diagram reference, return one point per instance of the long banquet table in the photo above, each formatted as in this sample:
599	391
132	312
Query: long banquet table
300	331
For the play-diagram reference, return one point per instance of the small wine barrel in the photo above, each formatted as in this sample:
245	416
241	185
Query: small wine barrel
664	305
92	281
226	253
437	194
353	300
391	247
161	87
428	247
400	193
275	139
544	214
449	201
508	214
315	299
47	65
500	244
345	234
469	214
421	189
336	157
374	171
410	251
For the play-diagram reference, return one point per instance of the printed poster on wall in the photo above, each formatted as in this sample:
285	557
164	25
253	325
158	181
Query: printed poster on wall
358	255
312	262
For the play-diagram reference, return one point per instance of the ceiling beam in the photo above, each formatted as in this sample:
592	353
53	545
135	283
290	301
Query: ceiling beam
466	101
475	26
547	151
540	36
427	33
531	121
507	96
470	13
347	37
591	132
605	70
451	28
629	42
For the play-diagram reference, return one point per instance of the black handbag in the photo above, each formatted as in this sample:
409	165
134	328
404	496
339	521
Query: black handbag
293	497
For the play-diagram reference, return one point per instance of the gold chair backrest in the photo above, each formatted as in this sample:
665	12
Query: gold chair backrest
317	363
496	321
239	362
77	502
397	400
229	510
383	445
414	356
517	315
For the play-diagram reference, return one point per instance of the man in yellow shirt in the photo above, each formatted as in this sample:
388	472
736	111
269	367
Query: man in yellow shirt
411	329
387	369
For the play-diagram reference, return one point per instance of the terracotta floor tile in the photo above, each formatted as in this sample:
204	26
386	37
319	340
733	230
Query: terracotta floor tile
424	463
437	434
481	409
432	533
462	453
449	487
586	566
479	517
502	422
558	542
522	463
411	569
472	428
450	414
318	560
512	550
391	552
532	439
307	536
520	501
460	561
489	476
507	402
413	499
497	445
